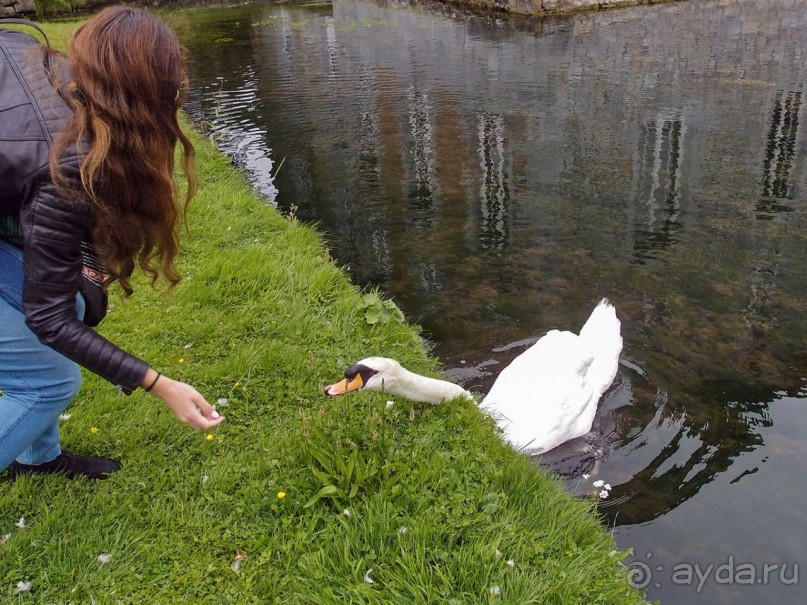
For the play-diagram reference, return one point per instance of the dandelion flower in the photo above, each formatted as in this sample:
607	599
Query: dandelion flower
20	523
24	586
495	590
209	437
104	558
64	417
281	495
367	578
598	483
603	494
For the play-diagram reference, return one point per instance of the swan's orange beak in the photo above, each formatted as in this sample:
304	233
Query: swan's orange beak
345	386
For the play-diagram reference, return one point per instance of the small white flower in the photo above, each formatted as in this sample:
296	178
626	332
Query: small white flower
188	346
20	523
586	475
5	538
64	417
205	479
104	558
603	494
24	586
607	486
346	513
598	483
402	529
495	591
511	563
389	405
222	402
498	554
367	578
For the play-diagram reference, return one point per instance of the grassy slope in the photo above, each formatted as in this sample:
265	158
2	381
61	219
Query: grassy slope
269	319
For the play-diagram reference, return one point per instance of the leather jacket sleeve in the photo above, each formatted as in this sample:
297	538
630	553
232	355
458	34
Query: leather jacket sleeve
53	229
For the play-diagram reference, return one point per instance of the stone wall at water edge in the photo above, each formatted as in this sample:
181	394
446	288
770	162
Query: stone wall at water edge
552	7
10	8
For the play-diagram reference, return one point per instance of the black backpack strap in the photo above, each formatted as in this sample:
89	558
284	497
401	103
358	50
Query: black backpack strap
29	24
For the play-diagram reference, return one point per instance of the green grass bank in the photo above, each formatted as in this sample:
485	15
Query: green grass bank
428	498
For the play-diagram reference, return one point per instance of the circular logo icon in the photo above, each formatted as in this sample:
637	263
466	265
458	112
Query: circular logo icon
639	574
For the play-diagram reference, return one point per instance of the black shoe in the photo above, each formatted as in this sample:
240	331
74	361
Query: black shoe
69	465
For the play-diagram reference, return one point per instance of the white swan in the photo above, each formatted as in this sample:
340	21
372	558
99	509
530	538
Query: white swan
545	397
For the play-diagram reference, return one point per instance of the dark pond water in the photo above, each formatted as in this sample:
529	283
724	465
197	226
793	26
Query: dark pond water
498	176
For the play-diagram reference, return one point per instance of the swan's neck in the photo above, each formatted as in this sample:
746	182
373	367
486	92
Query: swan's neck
422	388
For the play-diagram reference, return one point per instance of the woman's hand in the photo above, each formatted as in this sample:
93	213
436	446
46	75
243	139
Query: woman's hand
185	401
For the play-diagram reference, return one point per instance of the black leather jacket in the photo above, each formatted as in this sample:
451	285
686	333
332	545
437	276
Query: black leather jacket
52	229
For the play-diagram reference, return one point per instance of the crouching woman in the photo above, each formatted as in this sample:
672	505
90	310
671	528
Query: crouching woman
87	194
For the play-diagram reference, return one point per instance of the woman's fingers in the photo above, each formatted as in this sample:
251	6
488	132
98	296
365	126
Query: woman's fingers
210	417
207	410
188	404
200	422
203	415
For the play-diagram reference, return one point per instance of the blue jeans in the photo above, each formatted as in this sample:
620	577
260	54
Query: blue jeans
37	382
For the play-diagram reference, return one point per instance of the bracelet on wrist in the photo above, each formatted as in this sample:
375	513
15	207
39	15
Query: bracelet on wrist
151	386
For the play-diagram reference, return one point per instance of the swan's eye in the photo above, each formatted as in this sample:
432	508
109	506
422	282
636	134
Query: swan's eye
365	372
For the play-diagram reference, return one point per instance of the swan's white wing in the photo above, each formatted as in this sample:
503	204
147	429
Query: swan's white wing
601	333
539	399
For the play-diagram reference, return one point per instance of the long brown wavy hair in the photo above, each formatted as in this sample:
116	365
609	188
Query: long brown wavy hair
127	83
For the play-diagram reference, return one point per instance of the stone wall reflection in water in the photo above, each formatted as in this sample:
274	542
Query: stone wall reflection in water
498	176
